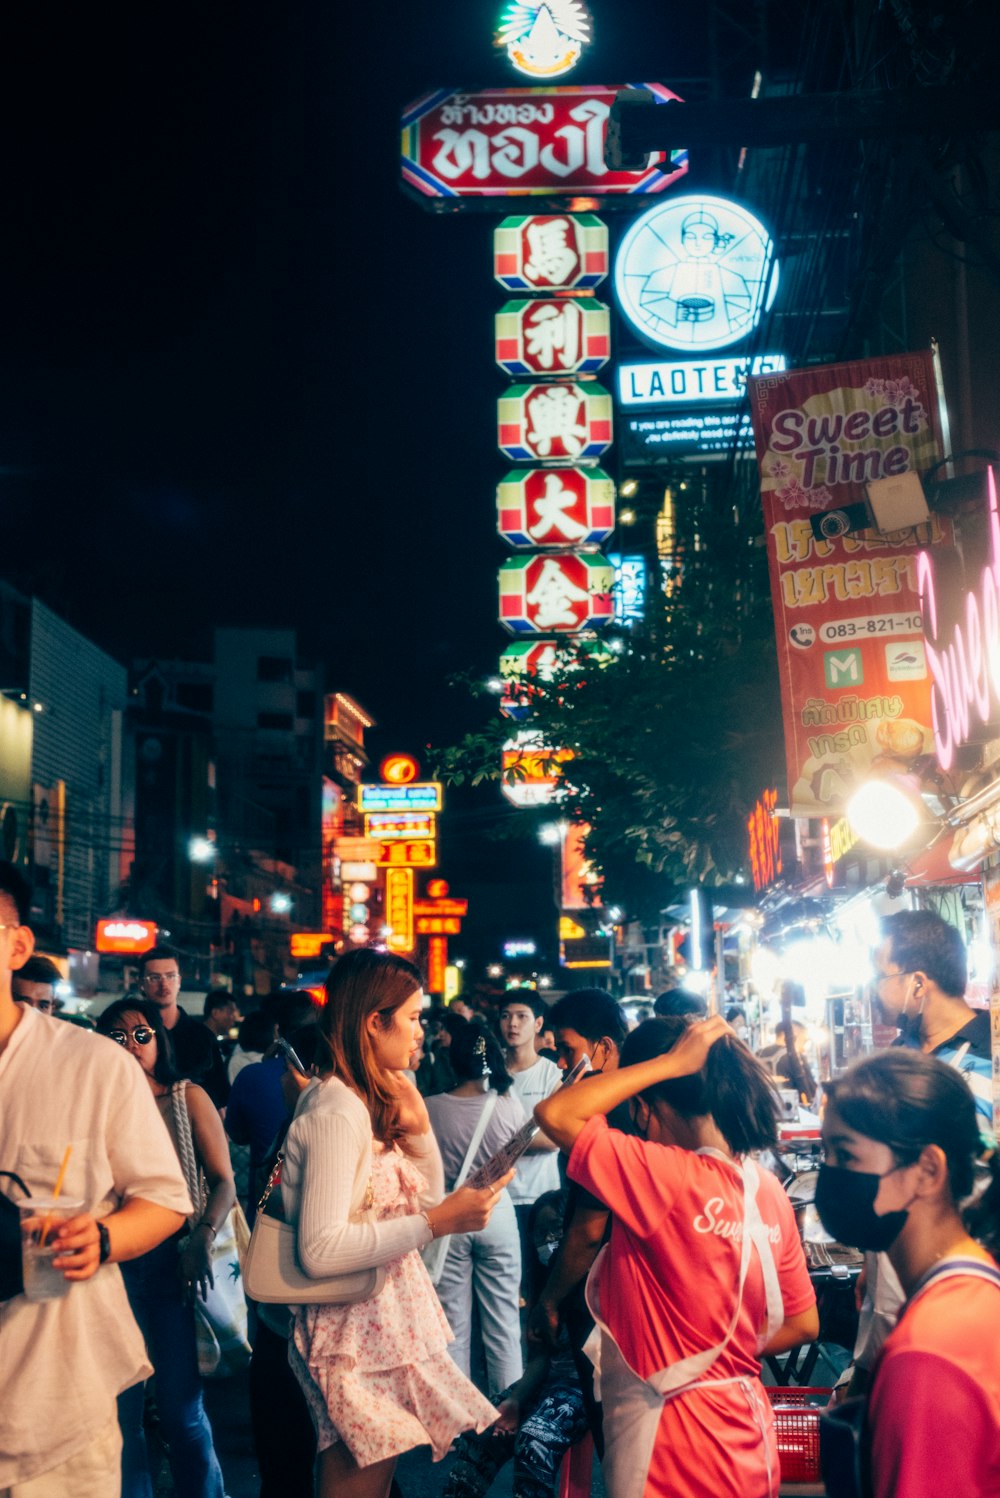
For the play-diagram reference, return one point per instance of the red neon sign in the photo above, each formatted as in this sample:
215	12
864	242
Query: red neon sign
765	847
126	936
965	667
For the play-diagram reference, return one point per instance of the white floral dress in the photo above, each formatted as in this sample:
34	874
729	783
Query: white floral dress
377	1375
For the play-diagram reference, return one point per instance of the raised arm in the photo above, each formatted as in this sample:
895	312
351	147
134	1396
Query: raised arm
564	1113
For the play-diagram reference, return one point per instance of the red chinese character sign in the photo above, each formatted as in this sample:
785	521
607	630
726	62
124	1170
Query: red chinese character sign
551	252
556	507
558	593
512	142
554	423
551	337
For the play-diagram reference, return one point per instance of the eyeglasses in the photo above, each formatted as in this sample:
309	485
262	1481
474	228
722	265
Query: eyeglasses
160	977
904	972
140	1035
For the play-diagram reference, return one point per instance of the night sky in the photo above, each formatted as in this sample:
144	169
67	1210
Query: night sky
243	378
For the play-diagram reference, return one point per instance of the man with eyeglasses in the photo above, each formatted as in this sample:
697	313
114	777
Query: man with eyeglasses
921	974
196	1055
70	1097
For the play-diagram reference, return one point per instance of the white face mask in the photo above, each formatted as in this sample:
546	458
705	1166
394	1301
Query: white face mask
546	1251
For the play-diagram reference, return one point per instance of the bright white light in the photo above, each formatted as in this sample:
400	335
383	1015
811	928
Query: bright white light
552	833
626	517
882	814
545	981
765	969
615	914
697	980
201	850
495	970
629	488
280	903
459	963
494	684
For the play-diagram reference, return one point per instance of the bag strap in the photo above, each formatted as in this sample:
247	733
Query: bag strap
477	1139
185	1148
950	1269
12	1175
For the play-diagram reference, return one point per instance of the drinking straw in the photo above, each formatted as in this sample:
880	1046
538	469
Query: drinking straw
55	1194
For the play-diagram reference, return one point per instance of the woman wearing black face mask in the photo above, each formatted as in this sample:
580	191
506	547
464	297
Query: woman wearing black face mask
901	1139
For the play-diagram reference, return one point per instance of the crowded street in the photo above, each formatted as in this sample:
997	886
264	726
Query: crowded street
500	751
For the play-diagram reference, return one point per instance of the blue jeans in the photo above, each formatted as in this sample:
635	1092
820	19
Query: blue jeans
154	1293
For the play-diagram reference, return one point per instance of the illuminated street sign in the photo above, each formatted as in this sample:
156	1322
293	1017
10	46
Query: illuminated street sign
438	925
416	796
554	423
551	252
420	854
399	769
355	870
126	936
437	963
451	907
545	659
552	337
309	944
764	840
556	507
399	909
531	774
692	382
695	273
544	38
558	593
516	142
393	827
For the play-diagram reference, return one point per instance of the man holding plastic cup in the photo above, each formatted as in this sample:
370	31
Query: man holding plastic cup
77	1115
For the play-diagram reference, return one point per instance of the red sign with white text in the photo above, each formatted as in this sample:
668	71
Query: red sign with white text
855	683
550	252
514	142
556	506
552	337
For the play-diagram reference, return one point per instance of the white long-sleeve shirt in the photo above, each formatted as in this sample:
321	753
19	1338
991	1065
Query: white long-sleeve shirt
328	1155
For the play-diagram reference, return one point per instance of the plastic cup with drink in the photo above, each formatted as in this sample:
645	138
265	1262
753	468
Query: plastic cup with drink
41	1217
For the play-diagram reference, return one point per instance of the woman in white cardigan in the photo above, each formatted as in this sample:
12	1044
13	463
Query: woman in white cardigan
377	1374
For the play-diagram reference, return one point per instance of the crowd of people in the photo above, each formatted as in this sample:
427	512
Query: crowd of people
621	1273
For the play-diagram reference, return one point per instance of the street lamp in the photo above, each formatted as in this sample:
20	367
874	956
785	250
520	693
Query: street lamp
885	812
201	850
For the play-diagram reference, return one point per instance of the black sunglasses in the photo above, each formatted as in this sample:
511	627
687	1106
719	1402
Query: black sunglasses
140	1035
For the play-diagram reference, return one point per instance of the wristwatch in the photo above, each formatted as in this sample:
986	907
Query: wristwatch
105	1239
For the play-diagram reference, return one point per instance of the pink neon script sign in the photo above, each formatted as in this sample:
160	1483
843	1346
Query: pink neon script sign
964	668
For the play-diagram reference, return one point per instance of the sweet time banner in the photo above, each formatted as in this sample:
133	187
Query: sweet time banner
855	686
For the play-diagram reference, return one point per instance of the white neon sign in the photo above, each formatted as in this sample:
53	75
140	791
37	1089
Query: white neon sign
544	38
695	273
965	669
692	382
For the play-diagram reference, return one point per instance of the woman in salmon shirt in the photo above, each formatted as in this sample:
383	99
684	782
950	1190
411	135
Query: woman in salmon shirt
704	1272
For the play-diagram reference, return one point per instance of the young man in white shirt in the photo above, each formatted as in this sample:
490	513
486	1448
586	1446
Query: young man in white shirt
537	1171
64	1361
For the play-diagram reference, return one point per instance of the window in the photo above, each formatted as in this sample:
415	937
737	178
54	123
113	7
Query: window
305	705
196	695
274	668
275	720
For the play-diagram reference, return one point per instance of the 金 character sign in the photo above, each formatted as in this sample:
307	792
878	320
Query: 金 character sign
560	593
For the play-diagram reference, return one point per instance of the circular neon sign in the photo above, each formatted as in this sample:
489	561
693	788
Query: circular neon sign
695	273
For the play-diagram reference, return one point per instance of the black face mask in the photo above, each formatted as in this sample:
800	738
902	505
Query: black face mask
845	1201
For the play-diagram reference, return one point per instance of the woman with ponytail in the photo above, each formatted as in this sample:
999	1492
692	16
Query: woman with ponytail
704	1273
901	1140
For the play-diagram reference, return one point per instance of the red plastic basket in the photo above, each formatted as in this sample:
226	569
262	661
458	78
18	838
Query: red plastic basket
796	1423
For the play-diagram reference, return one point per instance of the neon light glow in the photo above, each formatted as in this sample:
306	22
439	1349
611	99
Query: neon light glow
544	38
695	273
965	669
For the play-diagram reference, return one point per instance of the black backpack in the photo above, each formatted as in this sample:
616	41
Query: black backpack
11	1278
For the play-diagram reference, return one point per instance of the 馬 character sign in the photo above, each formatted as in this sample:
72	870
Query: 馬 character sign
556	507
559	593
551	252
555	423
552	337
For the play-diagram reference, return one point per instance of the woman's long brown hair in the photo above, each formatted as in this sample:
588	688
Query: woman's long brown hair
359	984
